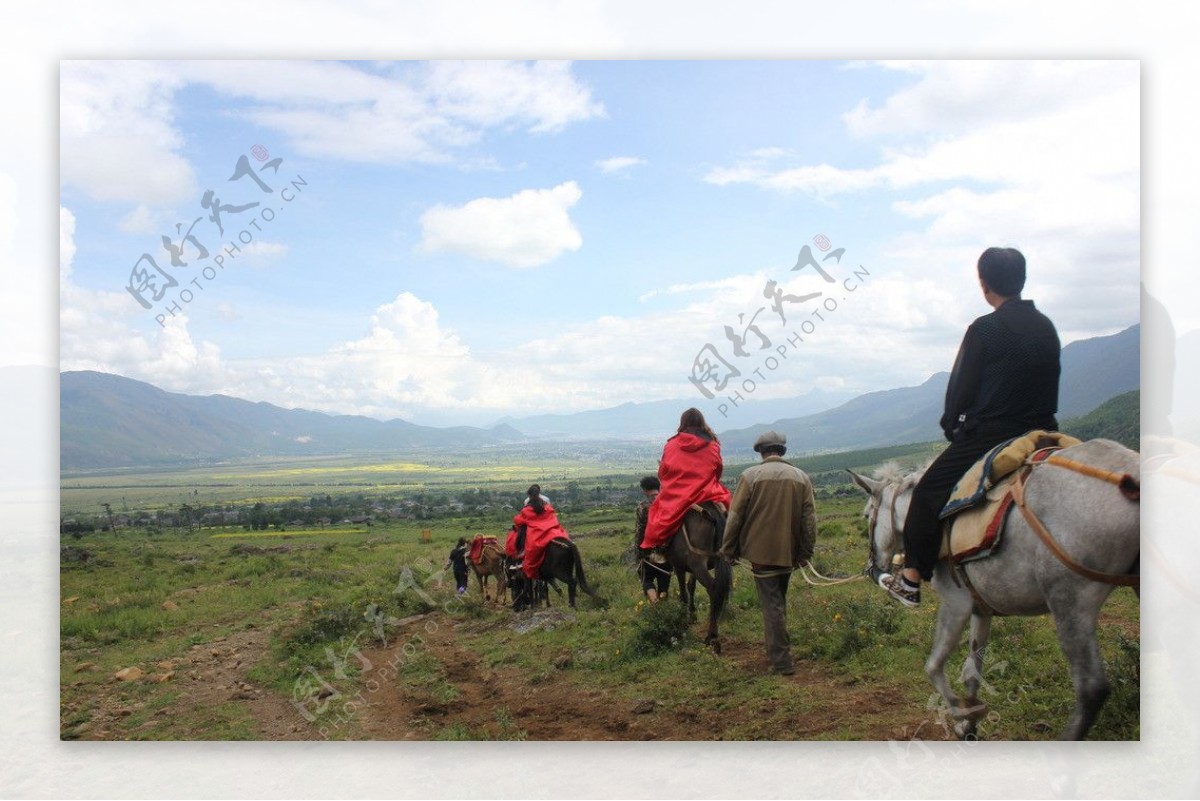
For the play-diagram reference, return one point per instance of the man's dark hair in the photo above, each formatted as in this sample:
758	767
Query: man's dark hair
651	484
1003	270
773	450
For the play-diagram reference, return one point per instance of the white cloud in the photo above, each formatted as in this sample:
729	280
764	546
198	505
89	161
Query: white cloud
261	252
619	163
99	330
542	95
117	136
527	229
426	112
143	221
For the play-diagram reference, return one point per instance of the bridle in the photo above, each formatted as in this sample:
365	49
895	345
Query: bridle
873	523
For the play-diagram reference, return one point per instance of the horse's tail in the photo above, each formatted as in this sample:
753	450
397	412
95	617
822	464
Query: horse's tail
579	577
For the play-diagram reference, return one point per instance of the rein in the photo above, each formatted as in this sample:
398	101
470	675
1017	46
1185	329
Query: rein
1127	484
871	525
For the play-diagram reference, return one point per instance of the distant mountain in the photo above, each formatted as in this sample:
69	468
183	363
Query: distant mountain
656	419
1093	371
111	421
1097	369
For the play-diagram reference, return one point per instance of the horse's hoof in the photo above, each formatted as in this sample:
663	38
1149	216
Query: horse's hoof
966	730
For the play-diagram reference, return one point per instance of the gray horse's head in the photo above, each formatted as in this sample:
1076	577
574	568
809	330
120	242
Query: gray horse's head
889	493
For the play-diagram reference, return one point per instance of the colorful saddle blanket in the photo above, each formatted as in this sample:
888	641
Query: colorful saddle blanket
1001	461
478	544
982	500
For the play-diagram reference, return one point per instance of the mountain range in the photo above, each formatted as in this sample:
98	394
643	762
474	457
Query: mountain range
111	421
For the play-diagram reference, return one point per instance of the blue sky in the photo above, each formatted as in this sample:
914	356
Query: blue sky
475	239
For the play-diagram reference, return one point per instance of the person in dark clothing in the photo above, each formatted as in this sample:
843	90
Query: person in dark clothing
458	560
1004	383
656	579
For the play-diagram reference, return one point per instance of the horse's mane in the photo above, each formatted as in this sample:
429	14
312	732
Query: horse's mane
893	473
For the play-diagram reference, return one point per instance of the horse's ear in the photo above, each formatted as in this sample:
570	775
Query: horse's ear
870	486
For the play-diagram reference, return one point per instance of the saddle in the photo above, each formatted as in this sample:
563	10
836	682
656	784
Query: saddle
974	517
479	543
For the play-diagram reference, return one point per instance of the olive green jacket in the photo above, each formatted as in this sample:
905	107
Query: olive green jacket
772	516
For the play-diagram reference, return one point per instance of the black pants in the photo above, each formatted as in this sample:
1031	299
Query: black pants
655	578
923	527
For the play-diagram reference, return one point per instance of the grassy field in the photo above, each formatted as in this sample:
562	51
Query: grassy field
244	636
281	480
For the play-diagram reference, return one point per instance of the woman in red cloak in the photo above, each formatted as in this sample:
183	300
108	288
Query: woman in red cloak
690	473
541	526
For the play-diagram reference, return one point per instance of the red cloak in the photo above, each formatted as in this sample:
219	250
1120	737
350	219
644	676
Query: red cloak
539	530
690	473
477	546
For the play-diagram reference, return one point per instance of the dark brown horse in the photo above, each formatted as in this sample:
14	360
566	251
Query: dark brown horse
694	549
562	562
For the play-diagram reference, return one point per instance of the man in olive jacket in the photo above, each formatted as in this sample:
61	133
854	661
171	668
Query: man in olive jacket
773	525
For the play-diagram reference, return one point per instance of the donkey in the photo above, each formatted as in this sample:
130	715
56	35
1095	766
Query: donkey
1094	522
694	550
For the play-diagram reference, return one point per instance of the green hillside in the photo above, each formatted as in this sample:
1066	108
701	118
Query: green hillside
1115	419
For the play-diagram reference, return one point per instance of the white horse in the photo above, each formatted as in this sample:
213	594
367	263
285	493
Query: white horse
1093	521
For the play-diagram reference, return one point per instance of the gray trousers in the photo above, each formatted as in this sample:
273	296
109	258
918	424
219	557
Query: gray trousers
772	597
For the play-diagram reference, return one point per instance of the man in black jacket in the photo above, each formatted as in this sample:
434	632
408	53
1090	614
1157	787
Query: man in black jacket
1004	383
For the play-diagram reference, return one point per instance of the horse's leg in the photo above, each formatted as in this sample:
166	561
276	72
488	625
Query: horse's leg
972	674
954	610
1077	638
681	578
699	571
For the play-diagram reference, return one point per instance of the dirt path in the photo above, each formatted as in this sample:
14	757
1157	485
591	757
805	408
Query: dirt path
505	703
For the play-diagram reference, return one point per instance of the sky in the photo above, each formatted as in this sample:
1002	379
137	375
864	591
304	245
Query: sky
454	241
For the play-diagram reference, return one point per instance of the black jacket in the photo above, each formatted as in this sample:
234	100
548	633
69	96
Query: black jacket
1006	375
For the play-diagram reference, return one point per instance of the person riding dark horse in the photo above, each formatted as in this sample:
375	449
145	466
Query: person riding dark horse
690	474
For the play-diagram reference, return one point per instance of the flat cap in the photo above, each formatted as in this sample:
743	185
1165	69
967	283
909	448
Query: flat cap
769	438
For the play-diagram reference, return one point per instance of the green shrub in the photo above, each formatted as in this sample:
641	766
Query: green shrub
657	628
855	625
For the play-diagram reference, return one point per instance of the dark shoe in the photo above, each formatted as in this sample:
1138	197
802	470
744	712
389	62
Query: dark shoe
899	589
787	671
